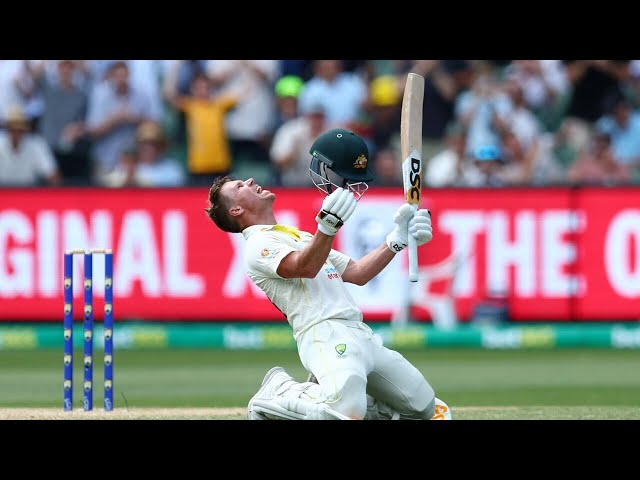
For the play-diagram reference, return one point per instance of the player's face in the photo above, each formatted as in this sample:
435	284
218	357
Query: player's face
248	194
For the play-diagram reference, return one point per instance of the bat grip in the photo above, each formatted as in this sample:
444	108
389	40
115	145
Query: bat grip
412	247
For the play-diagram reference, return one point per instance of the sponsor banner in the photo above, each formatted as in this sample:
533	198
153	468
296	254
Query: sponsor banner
556	254
165	335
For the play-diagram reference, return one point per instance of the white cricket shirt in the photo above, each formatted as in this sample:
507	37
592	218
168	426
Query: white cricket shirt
304	301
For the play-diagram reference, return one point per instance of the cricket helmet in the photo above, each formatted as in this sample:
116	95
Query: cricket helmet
339	158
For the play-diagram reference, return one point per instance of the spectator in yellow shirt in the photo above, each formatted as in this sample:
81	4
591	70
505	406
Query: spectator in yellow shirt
208	152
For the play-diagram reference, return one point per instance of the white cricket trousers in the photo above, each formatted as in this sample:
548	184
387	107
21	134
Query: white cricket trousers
350	361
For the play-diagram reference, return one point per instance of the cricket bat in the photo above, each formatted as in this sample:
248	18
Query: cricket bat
411	150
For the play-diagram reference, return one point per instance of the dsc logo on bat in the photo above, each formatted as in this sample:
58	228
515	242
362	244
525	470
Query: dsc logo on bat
413	192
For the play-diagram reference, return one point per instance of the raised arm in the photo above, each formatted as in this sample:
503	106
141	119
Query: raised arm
30	78
306	263
442	80
359	272
170	84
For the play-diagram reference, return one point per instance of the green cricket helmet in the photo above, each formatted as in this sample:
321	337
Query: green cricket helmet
339	159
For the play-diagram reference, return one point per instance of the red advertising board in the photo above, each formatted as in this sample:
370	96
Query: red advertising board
558	254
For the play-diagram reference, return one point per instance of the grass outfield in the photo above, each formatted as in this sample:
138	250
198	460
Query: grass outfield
213	384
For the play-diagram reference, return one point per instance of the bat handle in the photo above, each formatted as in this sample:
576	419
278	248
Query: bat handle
412	247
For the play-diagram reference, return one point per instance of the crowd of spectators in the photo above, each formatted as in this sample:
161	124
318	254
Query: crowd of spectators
116	123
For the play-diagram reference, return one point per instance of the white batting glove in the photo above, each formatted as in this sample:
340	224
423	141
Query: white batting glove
408	220
336	209
420	226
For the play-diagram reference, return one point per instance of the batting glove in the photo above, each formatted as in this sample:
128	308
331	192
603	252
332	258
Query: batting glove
420	227
336	209
408	220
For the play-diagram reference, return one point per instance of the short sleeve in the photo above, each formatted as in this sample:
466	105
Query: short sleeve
263	254
339	260
227	101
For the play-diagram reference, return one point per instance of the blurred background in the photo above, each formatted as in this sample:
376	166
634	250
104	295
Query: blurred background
532	175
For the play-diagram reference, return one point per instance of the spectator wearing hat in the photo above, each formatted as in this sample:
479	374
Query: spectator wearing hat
384	107
291	144
483	168
208	149
25	157
124	173
154	168
145	164
287	90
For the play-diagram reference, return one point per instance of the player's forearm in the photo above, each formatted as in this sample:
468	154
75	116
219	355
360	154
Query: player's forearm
315	254
336	209
361	271
170	84
307	262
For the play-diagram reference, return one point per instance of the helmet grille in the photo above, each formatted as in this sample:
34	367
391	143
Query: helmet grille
326	180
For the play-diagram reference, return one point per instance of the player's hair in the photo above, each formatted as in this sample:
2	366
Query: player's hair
219	205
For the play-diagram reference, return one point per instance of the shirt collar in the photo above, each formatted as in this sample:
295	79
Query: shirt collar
291	231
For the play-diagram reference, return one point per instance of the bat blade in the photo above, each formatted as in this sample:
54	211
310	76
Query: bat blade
411	151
